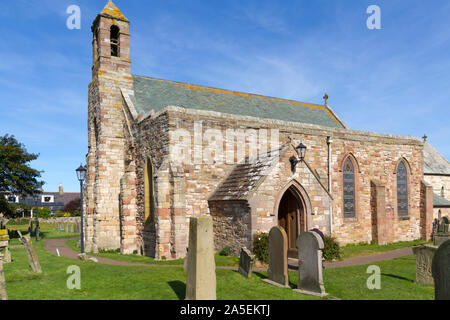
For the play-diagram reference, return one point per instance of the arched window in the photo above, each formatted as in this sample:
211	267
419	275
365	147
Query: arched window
115	42
349	188
402	189
148	193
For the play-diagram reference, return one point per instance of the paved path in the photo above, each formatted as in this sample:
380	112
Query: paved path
66	251
370	259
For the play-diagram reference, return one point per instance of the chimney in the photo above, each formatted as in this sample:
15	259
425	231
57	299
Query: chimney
61	191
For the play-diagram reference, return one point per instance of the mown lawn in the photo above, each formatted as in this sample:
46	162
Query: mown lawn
47	231
220	260
351	251
105	282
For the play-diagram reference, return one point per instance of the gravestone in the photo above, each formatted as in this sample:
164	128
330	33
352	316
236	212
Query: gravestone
4	245
441	231
32	256
278	260
201	267
424	259
310	280
441	272
246	261
3	294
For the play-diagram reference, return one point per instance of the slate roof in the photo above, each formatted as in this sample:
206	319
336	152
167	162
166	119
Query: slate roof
156	94
440	202
434	162
245	177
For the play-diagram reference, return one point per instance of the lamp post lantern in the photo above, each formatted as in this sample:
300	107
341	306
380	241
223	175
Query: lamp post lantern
301	152
81	175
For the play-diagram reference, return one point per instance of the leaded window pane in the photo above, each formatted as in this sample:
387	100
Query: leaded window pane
349	189
402	189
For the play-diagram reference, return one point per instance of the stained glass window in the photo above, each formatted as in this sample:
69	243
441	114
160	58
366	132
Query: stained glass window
349	189
402	189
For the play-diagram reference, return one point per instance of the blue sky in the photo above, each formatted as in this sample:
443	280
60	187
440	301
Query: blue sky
394	80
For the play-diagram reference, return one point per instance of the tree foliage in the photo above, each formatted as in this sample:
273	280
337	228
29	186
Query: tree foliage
16	176
73	206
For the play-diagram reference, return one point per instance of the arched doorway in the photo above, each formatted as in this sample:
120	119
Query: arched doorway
291	217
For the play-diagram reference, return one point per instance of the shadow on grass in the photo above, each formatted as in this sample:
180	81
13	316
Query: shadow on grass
179	288
397	277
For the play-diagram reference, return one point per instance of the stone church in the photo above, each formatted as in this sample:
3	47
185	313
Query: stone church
161	152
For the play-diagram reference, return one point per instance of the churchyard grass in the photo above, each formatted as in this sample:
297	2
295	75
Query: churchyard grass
109	282
397	282
133	258
351	251
100	281
47	231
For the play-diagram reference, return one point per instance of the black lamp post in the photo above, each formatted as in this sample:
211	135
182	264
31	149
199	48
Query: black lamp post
301	151
81	175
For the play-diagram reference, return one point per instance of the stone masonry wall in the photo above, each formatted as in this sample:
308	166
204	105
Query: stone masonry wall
152	143
376	155
265	200
438	182
232	225
106	158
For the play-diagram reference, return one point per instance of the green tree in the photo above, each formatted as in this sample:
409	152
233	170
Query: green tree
16	176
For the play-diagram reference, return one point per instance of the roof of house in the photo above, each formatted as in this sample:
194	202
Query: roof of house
440	202
245	177
434	162
156	94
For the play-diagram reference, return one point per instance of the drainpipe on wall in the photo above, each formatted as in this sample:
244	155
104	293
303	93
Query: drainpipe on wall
329	142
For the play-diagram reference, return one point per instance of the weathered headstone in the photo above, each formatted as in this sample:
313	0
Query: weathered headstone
441	272
310	280
278	260
32	256
441	232
246	261
201	269
4	245
3	294
424	259
7	256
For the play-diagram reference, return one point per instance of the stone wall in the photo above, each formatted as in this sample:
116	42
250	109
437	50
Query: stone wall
382	232
232	225
426	210
376	155
152	144
107	145
316	200
438	182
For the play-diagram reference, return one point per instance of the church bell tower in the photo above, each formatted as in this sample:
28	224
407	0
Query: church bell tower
111	73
